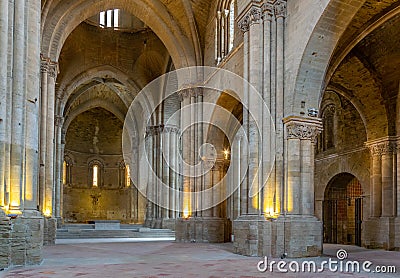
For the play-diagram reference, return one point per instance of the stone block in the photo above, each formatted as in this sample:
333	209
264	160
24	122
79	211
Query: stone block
107	225
211	230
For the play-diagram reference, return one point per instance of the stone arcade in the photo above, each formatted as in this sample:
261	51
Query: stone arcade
327	71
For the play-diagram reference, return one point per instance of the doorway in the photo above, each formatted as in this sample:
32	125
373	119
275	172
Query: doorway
342	210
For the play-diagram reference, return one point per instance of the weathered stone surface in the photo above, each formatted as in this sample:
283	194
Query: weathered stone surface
5	247
213	230
50	230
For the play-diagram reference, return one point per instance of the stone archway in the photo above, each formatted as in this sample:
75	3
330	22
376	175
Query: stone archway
63	19
343	210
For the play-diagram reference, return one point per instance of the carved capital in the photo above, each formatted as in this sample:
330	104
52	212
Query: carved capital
59	121
48	66
380	148
190	92
154	130
303	128
244	24
252	16
53	70
171	129
44	66
280	8
267	11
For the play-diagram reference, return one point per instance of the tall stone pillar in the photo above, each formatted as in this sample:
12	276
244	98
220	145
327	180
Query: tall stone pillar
150	185
18	108
199	222
263	70
297	217
22	237
170	176
380	228
47	175
60	145
4	95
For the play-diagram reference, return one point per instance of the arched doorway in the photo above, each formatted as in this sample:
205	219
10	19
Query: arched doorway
342	210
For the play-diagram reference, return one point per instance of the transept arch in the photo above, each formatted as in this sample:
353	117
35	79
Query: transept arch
65	17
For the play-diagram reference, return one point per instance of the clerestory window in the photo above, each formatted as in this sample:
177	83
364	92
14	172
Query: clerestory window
110	18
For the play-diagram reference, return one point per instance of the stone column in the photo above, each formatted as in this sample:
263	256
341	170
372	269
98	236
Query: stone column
18	107
383	181
32	106
21	238
299	190
4	95
47	178
280	15
249	227
196	224
150	185
59	168
298	202
173	182
43	131
380	227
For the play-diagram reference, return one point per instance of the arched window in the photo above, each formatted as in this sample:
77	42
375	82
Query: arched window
127	176
95	173
328	121
67	171
95	176
109	18
124	175
224	29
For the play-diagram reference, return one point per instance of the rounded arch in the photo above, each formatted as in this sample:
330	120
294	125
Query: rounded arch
70	84
90	105
66	16
318	52
343	210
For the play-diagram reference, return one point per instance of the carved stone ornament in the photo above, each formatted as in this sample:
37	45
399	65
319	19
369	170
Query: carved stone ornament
268	11
383	148
280	9
171	129
303	131
252	16
190	92
49	66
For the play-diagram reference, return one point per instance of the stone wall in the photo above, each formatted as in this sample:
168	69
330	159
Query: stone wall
21	240
83	204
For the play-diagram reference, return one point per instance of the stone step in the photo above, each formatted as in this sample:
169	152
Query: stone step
131	231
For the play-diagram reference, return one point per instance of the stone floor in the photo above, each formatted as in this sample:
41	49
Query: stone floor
117	258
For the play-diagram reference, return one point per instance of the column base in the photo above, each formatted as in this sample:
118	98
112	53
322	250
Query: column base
204	229
26	239
160	223
397	234
60	222
294	237
50	231
380	232
5	238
